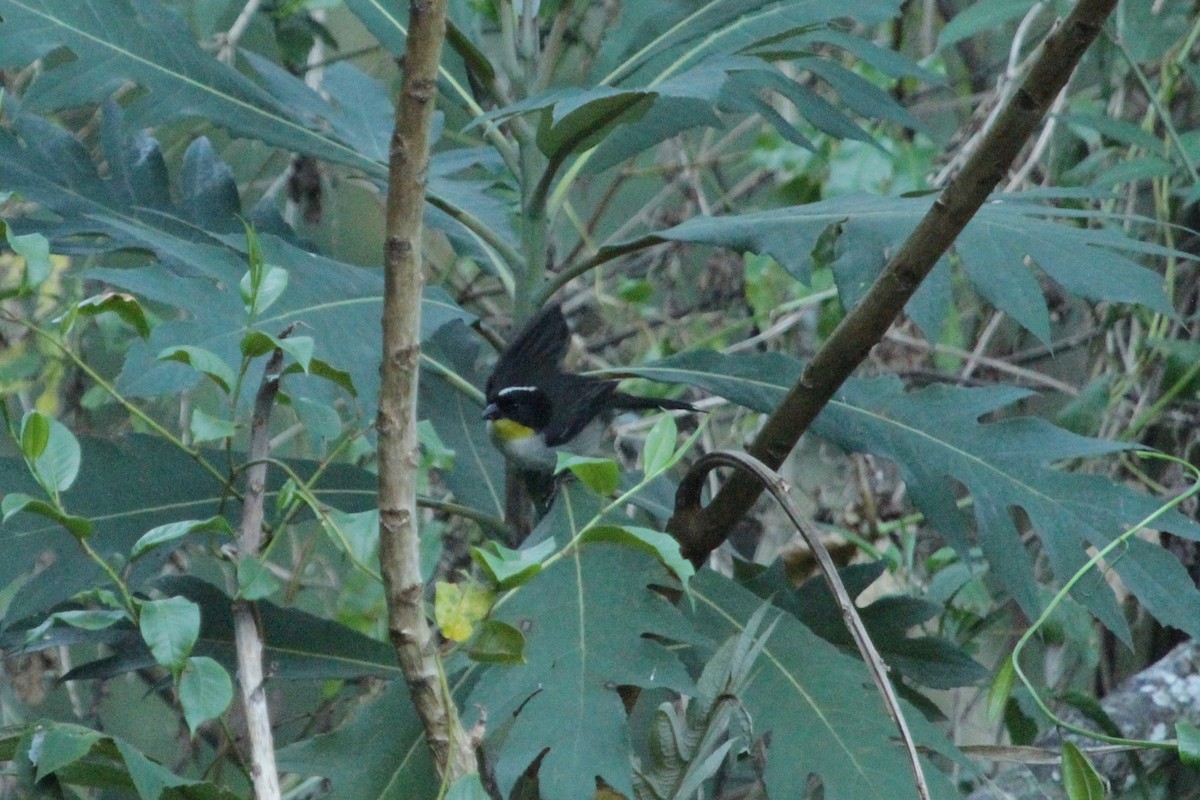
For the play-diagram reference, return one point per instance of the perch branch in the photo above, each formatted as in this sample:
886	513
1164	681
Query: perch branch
700	531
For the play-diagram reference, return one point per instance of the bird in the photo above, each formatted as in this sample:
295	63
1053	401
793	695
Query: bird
534	407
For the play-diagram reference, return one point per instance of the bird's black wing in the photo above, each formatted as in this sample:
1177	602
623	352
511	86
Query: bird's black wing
635	402
534	355
578	401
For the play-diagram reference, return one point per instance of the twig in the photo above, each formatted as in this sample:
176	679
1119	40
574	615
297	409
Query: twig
399	456
687	500
247	635
237	30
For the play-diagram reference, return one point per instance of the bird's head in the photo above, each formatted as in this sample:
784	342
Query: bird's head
518	411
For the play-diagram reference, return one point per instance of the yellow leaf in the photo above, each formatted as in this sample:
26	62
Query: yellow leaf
457	607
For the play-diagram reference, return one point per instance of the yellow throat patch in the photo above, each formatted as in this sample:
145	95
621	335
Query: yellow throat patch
507	430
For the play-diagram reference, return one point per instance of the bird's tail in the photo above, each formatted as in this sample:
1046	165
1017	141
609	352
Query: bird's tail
633	402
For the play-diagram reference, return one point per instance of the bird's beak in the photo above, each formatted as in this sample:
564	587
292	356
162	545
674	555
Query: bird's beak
491	412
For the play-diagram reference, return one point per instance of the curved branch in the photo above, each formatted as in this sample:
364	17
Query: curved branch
702	532
687	502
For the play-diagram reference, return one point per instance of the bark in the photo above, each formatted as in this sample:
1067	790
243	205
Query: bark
399	456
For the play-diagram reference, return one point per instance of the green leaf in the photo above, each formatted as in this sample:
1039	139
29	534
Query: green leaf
35	434
35	249
1000	690
467	787
507	568
601	475
261	297
498	643
1188	737
935	437
57	466
203	361
122	304
994	247
979	17
255	579
205	691
577	652
1080	779
170	628
120	489
659	450
662	546
206	428
811	697
88	620
16	502
395	767
62	746
149	44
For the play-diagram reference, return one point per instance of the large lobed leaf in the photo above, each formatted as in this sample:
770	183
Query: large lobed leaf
202	255
936	439
815	705
1094	264
578	651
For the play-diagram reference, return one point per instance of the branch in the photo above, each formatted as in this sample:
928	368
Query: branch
700	531
247	635
399	455
687	500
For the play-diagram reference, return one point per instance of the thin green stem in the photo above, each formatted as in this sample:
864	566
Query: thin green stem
1078	576
145	418
126	598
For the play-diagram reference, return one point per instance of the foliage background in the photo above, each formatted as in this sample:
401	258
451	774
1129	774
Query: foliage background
707	189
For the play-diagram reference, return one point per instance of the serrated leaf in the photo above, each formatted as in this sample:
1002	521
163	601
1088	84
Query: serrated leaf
458	607
205	691
934	436
811	697
498	643
170	628
507	568
577	652
998	240
601	475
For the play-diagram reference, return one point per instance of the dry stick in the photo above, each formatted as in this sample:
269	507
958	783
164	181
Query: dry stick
247	635
399	457
688	496
700	531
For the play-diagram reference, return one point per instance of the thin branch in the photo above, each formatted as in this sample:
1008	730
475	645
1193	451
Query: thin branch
247	635
399	455
687	501
237	31
702	530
